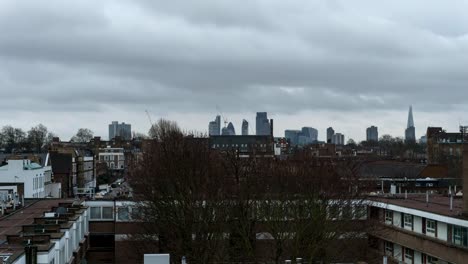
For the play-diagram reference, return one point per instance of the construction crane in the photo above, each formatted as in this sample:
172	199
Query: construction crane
149	117
222	116
151	121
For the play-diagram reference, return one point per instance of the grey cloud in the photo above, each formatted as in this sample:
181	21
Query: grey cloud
282	56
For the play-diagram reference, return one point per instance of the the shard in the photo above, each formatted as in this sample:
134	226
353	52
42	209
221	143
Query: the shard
410	132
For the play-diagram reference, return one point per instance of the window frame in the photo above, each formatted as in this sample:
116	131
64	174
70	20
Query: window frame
388	248
431	227
409	254
406	223
388	216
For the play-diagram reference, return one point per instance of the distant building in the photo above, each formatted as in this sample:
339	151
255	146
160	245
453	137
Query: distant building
305	136
244	145
229	130
292	136
338	139
245	128
423	140
214	127
410	132
330	133
372	134
120	130
262	124
310	133
113	157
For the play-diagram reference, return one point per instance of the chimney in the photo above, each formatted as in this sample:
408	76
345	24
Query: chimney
465	179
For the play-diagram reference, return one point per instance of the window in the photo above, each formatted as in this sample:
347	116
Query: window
107	213
123	213
432	260
408	221
460	236
388	217
388	248
360	212
334	211
96	213
409	255
431	227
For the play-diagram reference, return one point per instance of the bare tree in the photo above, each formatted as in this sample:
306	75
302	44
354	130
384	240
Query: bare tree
37	137
83	135
213	206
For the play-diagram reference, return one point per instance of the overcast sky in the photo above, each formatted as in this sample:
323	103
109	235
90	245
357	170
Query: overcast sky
346	64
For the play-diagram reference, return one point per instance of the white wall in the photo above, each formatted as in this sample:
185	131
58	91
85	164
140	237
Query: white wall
397	219
156	259
417	224
417	257
46	257
15	172
442	231
21	260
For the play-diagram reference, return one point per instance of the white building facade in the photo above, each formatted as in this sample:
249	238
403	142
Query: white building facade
31	174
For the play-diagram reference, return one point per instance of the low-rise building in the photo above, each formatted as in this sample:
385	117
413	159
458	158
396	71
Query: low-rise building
418	231
48	231
31	175
113	157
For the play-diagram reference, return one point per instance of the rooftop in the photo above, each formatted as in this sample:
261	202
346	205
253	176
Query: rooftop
438	204
12	224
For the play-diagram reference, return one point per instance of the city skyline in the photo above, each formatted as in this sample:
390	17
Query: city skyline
355	130
360	70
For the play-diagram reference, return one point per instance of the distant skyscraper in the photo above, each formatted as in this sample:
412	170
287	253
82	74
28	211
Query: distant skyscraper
310	133
307	135
330	133
214	127
245	128
372	134
120	130
338	139
229	130
262	125
293	136
410	132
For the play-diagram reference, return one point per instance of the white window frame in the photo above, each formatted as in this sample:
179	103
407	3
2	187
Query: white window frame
409	254
431	260
389	247
431	226
408	223
388	216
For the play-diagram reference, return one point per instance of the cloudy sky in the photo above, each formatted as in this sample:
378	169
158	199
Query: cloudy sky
346	64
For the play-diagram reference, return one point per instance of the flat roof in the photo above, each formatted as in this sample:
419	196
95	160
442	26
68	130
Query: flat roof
12	224
438	204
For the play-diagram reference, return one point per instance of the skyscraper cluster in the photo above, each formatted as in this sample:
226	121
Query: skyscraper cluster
307	135
335	138
120	130
263	126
